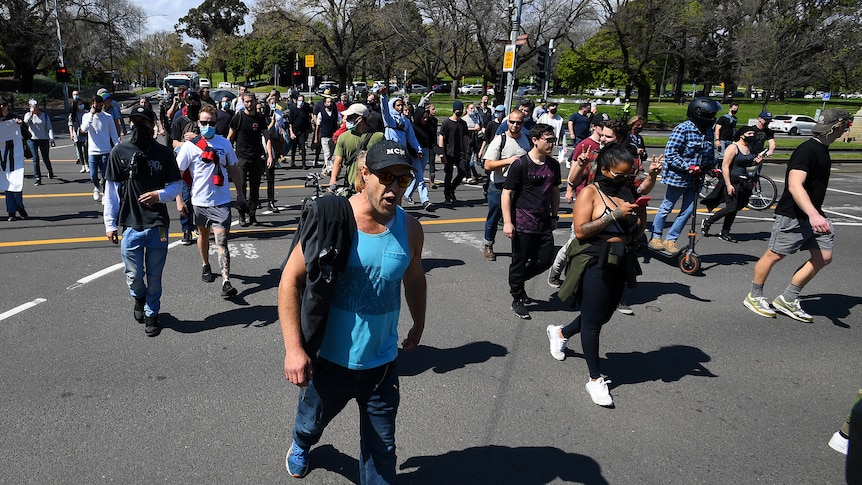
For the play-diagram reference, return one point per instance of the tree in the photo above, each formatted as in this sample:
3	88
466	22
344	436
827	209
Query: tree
24	26
211	18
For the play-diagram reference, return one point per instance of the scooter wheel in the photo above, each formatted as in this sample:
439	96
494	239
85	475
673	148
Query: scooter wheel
689	263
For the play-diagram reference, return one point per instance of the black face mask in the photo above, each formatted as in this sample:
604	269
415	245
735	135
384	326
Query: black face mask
142	136
608	185
192	111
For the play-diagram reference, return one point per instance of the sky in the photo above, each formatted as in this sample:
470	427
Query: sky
164	14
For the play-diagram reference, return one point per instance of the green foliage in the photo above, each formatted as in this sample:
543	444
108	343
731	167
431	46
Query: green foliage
213	17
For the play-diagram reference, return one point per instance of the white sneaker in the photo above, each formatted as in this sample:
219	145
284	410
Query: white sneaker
87	168
838	443
792	309
558	344
83	169
96	195
599	393
759	306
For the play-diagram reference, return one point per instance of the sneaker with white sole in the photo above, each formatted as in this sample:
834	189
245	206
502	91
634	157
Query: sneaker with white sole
656	245
624	308
96	195
759	306
792	309
520	309
838	442
296	461
554	280
558	344
599	393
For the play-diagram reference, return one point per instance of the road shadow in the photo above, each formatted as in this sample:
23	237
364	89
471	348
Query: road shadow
257	316
649	291
327	457
667	364
727	259
832	306
423	357
93	214
752	236
493	464
255	284
433	263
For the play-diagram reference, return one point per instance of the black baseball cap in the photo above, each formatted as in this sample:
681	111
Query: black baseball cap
387	153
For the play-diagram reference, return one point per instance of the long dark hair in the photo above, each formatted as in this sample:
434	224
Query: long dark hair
613	154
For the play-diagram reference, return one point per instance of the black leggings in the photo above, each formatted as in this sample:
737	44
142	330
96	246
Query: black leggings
741	194
599	297
450	165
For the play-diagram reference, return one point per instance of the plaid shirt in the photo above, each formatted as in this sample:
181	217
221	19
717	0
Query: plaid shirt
686	146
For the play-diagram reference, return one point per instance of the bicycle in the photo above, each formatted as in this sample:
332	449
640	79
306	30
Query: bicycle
764	192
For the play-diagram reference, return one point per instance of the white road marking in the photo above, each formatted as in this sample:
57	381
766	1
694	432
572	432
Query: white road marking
20	308
108	270
841	214
464	238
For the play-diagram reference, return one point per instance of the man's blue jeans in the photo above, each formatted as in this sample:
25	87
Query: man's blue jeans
670	197
144	254
377	395
38	146
495	213
98	164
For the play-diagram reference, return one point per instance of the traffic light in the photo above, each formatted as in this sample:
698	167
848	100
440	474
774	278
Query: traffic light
63	75
297	77
542	61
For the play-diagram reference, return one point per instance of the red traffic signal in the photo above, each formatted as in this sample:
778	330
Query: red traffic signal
297	74
63	75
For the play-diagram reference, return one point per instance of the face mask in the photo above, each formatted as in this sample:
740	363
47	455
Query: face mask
75	97
225	105
272	106
207	131
553	110
81	106
193	111
733	111
142	135
608	185
300	103
350	125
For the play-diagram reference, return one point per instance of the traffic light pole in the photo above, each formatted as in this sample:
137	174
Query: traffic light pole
62	60
513	38
546	68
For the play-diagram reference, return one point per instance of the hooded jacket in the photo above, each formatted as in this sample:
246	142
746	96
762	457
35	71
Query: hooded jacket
398	127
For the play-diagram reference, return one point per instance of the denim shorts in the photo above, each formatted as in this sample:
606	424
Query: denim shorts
790	234
218	216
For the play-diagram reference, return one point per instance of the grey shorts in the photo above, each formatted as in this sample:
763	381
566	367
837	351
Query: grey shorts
218	216
790	234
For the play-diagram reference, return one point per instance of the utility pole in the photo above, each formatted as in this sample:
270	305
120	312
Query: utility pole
513	39
60	50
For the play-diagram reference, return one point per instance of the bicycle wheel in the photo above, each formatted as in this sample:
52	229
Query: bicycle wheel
764	193
709	183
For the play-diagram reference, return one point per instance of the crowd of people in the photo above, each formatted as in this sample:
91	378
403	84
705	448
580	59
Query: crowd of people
365	247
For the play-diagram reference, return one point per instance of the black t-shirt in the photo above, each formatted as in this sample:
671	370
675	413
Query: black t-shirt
300	117
728	126
183	125
223	122
533	186
761	137
453	137
813	158
154	169
248	129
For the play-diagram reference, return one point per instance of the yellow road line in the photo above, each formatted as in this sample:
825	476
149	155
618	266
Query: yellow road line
90	194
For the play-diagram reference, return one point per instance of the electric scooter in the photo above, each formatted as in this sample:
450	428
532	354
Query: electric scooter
687	259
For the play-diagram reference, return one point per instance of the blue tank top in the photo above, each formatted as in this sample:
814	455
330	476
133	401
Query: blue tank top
362	329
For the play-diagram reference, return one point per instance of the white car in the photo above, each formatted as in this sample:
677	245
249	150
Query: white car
470	89
204	82
792	124
225	85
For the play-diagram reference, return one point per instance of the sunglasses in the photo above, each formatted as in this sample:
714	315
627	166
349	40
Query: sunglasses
207	123
352	118
386	178
513	122
550	139
622	176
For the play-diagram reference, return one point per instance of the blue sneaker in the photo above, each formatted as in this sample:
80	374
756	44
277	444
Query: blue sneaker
296	461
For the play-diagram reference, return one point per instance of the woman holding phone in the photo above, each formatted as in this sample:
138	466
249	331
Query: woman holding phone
734	188
607	224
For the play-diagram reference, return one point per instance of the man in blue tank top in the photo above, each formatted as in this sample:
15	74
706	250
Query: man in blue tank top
357	357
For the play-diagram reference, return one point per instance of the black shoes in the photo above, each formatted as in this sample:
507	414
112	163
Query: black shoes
138	311
187	238
725	236
520	308
12	217
152	327
704	227
273	207
206	274
227	290
252	218
243	219
23	213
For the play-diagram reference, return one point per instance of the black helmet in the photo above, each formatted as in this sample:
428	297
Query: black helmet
702	111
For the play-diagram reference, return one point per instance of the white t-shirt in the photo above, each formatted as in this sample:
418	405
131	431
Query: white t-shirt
204	192
512	148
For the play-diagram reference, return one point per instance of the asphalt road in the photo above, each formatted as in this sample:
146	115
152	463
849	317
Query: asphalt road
705	391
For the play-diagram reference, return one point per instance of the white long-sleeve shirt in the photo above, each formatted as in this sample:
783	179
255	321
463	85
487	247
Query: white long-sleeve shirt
40	126
102	132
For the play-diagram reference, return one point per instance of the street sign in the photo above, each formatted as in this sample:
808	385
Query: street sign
309	60
827	96
509	58
78	74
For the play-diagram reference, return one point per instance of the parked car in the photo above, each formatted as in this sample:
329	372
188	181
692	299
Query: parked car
604	92
360	86
530	89
792	124
441	88
418	89
473	89
225	85
810	96
204	82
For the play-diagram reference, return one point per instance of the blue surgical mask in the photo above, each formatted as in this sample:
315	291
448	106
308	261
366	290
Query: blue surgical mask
225	105
272	106
207	131
81	106
75	97
350	125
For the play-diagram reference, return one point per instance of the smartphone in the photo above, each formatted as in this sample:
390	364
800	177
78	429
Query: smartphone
643	200
763	153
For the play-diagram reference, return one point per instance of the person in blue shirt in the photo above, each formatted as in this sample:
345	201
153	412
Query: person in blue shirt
688	146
